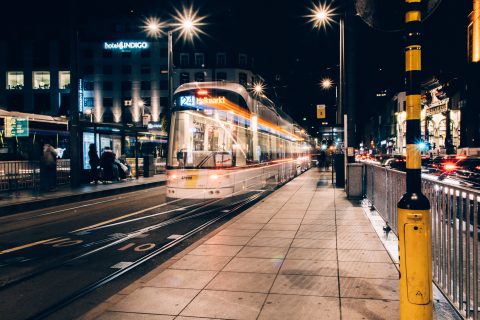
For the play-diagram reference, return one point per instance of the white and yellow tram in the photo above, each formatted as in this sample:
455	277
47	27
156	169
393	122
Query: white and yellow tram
225	141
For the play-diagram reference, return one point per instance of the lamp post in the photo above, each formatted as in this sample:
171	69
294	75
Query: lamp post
187	23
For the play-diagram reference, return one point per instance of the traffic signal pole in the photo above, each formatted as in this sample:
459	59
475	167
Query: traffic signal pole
414	208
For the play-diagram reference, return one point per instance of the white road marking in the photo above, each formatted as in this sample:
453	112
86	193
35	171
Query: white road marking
121	265
174	236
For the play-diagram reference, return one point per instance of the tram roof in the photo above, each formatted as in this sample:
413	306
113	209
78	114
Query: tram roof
33	116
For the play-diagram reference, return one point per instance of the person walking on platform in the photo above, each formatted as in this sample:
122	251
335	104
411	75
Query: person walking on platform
94	161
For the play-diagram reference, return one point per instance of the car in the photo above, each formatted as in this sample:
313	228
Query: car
443	164
397	162
468	169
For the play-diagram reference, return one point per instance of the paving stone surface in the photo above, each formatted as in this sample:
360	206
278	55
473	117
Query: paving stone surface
304	252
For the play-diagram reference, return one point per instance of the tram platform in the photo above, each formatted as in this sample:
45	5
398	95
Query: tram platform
303	252
24	200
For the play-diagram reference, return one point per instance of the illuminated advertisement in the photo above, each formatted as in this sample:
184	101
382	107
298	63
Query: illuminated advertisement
126	45
16	127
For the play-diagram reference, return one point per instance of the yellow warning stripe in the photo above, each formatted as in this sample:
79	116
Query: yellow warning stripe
414	157
414	107
413	58
413	16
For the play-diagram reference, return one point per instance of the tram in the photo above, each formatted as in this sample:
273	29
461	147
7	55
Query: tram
225	140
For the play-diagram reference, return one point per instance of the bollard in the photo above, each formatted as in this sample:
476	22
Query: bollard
414	237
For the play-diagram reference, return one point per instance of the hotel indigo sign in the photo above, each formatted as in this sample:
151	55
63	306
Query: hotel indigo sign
126	45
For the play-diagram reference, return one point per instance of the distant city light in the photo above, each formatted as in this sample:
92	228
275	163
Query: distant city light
422	146
324	147
258	88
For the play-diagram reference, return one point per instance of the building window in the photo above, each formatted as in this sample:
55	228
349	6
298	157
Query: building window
88	85
199	59
221	59
41	80
64	79
126	69
199	76
126	54
87	53
108	69
164	101
15	80
107	102
145	85
88	102
145	53
107	54
184	77
145	69
163	52
242	78
108	116
221	76
163	85
88	70
107	85
184	59
126	85
242	60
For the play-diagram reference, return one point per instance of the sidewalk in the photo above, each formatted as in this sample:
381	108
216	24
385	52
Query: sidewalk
12	202
304	252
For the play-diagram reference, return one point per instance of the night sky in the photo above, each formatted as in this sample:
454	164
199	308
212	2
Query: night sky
289	54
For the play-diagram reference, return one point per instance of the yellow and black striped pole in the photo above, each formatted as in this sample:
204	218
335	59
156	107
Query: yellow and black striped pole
414	208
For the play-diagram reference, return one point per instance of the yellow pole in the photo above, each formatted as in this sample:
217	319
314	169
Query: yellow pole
414	208
476	31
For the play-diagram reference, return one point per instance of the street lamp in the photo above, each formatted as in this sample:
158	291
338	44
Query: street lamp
187	22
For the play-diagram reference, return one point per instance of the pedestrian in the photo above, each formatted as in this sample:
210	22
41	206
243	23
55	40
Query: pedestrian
94	161
107	161
387	230
48	163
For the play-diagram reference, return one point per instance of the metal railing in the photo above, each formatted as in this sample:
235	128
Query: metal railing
23	175
455	232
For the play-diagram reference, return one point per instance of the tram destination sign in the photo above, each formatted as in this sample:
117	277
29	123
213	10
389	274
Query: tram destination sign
16	127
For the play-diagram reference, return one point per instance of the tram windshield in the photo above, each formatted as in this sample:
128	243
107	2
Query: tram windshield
218	131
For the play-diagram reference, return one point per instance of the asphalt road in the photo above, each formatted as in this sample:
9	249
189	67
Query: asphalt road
58	262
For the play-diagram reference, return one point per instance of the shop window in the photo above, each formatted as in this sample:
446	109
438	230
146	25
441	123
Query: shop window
15	80
41	80
221	76
221	59
108	69
64	79
199	76
145	85
107	85
199	59
184	59
184	77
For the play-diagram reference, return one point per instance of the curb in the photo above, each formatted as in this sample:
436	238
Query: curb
11	209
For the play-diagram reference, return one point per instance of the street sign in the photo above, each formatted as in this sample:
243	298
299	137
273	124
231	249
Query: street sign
16	127
321	114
